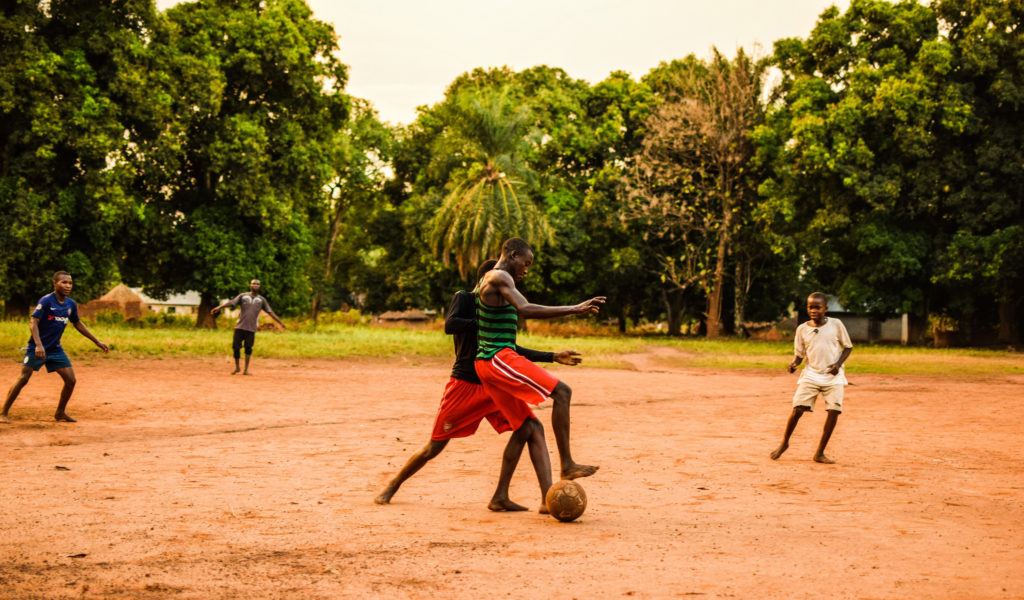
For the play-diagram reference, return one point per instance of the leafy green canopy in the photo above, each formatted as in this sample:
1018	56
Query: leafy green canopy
256	94
488	201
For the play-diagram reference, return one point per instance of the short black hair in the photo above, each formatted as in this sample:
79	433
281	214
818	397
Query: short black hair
514	245
60	274
485	266
819	296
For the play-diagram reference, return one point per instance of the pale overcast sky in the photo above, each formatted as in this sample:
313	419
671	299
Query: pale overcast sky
404	53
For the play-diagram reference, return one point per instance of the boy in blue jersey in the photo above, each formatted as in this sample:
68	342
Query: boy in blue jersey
52	314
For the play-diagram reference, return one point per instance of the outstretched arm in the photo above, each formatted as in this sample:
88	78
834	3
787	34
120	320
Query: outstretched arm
80	326
225	304
503	282
273	315
565	357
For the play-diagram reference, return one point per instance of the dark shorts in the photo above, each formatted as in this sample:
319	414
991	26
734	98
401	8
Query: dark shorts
53	361
243	337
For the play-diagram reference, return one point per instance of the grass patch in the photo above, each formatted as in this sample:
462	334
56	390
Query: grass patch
346	341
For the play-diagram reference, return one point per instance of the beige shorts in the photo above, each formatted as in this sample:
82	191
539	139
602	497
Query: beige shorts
807	392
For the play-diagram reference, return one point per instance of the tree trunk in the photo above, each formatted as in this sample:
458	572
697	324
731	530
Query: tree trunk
332	235
715	298
1009	332
739	291
673	309
203	317
622	318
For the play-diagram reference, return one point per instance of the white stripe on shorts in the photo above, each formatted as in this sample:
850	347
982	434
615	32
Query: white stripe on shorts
518	377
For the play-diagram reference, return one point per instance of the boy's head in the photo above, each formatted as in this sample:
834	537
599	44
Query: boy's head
254	286
62	282
516	253
817	305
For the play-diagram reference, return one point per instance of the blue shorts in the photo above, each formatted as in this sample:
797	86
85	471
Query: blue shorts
53	361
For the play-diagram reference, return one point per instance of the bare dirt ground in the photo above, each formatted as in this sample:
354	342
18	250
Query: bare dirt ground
182	481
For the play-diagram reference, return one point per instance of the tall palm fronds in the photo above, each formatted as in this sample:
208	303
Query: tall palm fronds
488	199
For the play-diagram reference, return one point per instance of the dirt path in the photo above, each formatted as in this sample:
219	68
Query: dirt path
185	482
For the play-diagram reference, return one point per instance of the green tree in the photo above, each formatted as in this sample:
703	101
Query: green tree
488	197
984	259
72	110
360	156
257	91
858	153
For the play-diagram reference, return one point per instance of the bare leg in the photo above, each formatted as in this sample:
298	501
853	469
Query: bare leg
541	462
68	375
12	395
414	464
509	460
830	425
237	369
247	357
560	422
794	418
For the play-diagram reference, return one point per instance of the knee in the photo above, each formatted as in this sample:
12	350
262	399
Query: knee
561	393
528	429
70	381
434	448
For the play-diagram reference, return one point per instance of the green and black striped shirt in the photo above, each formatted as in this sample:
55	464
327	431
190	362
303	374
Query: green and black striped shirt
496	328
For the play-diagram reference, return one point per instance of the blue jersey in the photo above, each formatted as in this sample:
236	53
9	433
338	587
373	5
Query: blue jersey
53	318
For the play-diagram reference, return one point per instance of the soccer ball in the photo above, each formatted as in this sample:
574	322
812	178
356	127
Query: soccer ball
566	500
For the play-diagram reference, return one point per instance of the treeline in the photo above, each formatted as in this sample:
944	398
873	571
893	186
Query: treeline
880	159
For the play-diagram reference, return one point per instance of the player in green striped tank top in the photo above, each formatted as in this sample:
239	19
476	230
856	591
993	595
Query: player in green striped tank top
499	307
496	328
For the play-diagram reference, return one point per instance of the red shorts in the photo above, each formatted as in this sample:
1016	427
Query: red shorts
463	406
513	383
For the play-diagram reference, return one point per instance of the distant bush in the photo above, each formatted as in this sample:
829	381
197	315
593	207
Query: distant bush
345	317
148	321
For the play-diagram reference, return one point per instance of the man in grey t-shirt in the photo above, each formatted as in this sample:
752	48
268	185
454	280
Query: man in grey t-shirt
250	305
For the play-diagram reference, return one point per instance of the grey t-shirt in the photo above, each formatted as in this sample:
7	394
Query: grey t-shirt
249	308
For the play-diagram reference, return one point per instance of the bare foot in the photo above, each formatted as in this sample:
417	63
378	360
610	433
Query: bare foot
778	451
4	419
575	471
246	373
235	372
64	417
505	505
543	509
821	458
384	497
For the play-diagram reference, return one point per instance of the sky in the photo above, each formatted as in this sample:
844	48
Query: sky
403	53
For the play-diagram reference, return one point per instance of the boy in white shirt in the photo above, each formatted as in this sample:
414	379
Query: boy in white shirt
825	344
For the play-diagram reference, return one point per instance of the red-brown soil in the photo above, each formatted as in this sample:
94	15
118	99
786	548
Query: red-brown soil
182	481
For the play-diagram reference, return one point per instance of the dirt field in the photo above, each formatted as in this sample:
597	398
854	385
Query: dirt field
182	481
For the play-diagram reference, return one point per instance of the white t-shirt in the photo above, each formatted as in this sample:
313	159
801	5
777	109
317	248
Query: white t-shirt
820	347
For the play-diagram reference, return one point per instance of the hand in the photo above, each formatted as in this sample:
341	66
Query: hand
792	367
103	346
40	353
214	311
592	306
568	357
834	369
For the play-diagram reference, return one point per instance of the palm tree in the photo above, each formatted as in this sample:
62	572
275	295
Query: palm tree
488	200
